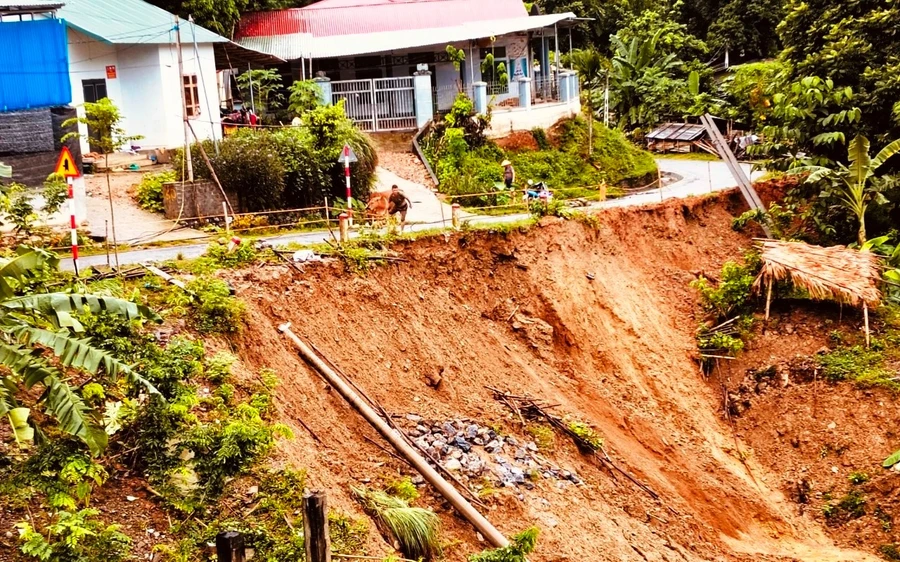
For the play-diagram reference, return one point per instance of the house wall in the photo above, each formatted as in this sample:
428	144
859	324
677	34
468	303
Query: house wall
88	59
208	124
147	87
504	122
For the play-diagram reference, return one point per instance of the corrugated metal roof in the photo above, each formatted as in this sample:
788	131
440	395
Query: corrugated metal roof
29	4
330	18
129	21
677	131
297	45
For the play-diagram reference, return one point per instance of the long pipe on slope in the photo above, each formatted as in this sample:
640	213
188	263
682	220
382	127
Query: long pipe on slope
456	499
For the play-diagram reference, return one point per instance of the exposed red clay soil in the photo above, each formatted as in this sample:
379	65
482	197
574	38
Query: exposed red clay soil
812	435
613	345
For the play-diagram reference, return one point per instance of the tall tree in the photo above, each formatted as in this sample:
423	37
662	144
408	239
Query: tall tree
854	43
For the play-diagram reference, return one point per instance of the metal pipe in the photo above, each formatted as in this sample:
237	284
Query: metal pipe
465	509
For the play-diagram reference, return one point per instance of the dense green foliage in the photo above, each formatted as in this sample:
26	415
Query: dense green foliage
295	167
32	319
468	165
149	191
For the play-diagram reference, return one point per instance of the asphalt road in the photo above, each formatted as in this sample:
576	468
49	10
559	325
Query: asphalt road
698	178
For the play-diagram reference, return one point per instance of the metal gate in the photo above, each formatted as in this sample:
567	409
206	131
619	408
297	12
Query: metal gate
379	104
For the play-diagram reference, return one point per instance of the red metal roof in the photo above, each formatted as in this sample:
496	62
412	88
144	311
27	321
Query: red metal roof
348	17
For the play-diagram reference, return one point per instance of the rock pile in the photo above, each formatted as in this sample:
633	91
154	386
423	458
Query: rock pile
475	452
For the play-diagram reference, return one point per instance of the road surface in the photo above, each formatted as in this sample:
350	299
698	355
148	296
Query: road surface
698	178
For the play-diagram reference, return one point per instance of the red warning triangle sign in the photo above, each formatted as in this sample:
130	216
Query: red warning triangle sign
65	166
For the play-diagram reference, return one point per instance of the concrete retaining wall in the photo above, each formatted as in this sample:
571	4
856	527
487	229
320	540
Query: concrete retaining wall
506	121
198	199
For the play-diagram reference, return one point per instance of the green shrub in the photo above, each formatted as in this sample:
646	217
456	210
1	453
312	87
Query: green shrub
217	312
540	137
403	489
731	295
76	537
293	166
219	256
864	366
150	190
519	548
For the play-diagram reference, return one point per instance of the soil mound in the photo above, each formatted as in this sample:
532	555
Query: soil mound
596	319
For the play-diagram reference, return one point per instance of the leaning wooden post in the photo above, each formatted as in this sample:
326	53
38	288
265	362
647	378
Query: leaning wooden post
866	320
768	300
230	547
315	527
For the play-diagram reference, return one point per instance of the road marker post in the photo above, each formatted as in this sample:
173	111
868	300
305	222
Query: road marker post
455	215
65	167
347	156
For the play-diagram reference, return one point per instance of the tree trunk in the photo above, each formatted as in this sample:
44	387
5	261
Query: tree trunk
861	235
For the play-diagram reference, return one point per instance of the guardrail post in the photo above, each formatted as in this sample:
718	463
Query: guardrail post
344	221
455	215
230	547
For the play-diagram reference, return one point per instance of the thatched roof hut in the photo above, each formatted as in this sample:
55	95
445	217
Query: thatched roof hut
836	273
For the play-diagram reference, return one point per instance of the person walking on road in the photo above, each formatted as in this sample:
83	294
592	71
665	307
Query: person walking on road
509	174
398	203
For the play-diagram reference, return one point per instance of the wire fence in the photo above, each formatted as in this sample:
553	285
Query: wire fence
480	206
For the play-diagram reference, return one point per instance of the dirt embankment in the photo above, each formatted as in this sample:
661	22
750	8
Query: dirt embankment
823	443
599	321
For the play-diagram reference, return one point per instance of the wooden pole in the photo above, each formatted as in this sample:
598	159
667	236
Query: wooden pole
230	547
768	300
866	319
209	166
482	525
315	527
184	115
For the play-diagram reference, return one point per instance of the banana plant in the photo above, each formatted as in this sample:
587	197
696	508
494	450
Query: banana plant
854	186
35	326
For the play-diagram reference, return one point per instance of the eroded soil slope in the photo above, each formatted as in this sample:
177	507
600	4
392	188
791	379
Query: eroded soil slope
597	320
822	441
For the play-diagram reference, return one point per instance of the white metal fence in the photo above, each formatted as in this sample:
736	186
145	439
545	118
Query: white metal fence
379	104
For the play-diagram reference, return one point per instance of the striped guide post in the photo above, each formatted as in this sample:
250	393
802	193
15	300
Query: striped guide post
72	224
347	176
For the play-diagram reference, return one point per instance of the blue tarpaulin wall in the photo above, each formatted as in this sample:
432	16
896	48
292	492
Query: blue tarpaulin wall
34	65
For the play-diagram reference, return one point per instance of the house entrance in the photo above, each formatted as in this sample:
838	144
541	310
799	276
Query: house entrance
378	104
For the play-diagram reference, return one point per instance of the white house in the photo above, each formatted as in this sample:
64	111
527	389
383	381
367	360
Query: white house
370	50
125	50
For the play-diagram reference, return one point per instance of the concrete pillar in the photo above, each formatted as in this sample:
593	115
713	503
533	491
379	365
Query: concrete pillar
480	100
324	84
573	88
565	87
525	92
424	99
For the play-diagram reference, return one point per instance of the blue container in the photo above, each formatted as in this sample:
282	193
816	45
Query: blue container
34	65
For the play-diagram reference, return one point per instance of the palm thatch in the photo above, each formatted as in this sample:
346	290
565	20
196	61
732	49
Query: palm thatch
417	530
836	273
